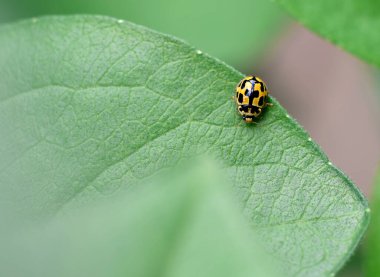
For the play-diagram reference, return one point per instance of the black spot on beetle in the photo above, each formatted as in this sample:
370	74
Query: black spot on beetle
255	93
240	98
261	101
255	109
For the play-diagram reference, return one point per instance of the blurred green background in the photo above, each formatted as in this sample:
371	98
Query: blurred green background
331	93
229	30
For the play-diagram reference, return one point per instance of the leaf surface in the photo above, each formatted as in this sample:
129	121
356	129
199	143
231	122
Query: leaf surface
90	106
372	245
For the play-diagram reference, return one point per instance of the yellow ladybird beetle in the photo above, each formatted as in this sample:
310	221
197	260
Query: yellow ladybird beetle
251	97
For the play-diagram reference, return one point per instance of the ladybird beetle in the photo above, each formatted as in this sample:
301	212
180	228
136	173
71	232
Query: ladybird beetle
251	97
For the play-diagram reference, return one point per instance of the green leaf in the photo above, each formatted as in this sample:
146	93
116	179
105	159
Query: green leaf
185	226
90	106
372	245
230	30
352	25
